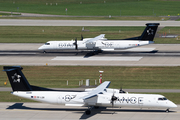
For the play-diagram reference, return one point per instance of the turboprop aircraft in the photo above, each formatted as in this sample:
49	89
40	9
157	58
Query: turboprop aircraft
100	43
94	97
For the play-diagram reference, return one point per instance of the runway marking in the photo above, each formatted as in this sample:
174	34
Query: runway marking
139	49
94	58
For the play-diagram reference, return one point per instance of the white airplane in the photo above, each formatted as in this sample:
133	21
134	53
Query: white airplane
94	97
100	43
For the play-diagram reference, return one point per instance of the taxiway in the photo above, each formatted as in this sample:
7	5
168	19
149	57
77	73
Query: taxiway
150	55
34	111
27	22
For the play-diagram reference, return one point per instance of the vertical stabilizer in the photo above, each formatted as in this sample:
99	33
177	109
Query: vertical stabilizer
149	32
17	79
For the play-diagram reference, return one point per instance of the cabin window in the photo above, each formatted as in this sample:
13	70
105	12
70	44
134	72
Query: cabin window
47	43
162	98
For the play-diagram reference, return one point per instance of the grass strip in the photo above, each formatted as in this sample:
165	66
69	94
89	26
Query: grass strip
42	34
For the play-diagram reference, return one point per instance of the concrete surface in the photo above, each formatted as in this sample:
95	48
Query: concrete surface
42	111
25	22
27	54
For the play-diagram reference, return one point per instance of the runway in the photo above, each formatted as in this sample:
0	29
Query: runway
28	22
150	55
34	111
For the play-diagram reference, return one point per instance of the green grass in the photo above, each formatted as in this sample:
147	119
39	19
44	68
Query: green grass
90	18
128	77
7	14
35	34
94	7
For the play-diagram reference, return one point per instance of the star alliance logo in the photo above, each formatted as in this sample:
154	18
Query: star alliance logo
150	31
16	78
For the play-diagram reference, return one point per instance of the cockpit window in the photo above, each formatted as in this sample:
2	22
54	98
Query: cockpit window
162	98
47	43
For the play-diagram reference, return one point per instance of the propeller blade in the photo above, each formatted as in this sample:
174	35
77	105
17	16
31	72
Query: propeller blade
81	37
113	98
75	43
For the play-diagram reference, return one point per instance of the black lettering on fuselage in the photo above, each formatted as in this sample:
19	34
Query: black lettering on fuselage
108	44
67	98
65	45
140	100
131	100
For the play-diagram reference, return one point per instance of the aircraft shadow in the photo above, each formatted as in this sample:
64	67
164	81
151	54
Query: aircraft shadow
101	110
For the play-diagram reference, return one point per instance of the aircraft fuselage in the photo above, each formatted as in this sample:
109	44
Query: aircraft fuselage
98	45
74	99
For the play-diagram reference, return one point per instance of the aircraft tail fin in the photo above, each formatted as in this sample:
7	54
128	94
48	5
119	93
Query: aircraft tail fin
149	31
17	79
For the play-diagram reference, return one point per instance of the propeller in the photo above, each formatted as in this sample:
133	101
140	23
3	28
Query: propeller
81	37
113	98
75	43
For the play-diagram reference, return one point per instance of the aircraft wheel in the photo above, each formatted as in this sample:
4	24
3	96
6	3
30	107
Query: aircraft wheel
167	110
96	107
44	52
88	112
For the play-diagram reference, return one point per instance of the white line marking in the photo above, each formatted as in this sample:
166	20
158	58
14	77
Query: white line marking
97	58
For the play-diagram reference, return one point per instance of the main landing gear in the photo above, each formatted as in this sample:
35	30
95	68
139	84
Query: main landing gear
167	110
88	112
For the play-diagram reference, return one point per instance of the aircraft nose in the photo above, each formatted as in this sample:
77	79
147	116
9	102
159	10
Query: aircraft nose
172	105
40	48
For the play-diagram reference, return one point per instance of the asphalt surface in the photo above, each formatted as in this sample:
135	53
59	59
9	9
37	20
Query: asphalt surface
34	111
150	55
25	22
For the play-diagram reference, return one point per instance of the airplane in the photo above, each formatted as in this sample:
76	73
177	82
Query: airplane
100	43
101	96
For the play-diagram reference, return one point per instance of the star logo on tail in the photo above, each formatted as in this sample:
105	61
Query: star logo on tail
16	78
150	31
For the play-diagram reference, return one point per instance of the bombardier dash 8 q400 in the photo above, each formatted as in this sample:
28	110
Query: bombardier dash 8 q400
100	43
93	97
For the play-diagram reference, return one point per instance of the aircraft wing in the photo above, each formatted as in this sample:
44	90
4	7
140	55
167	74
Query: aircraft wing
97	90
96	38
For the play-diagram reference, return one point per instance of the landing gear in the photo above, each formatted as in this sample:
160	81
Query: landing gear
88	112
167	110
44	52
96	107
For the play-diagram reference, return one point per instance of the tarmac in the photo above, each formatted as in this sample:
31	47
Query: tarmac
150	55
43	111
28	22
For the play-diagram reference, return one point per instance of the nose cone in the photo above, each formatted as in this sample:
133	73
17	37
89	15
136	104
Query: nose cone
41	48
171	104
